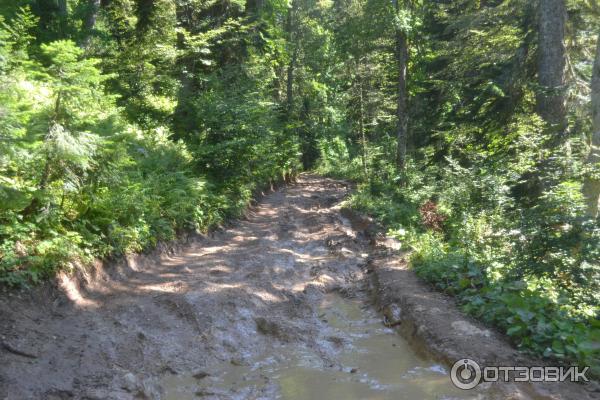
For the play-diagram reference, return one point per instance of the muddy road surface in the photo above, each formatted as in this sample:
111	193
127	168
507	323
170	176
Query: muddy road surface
274	307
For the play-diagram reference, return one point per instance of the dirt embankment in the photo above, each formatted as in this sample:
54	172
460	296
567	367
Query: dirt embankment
432	321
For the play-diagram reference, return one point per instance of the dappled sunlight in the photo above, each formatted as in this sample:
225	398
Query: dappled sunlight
73	293
231	292
266	296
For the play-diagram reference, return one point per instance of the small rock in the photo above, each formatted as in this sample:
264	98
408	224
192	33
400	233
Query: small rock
169	369
152	390
353	370
466	328
593	387
338	341
204	393
130	382
271	328
59	394
392	315
238	362
200	375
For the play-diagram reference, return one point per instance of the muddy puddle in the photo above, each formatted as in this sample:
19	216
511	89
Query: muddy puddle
370	361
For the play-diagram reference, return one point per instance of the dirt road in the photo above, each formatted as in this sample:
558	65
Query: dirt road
245	313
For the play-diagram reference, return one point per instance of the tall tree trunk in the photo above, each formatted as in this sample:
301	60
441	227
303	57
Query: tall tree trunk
402	93
290	81
551	65
90	21
361	124
62	16
144	11
292	38
62	8
254	7
591	186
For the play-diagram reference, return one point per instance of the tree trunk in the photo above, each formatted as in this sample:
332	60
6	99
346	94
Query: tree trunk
62	15
90	21
290	81
292	65
144	11
62	8
551	65
361	124
591	186
402	93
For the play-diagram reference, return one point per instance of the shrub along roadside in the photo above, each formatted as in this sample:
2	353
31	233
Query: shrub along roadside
78	181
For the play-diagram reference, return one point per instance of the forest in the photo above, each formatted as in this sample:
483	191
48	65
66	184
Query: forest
471	129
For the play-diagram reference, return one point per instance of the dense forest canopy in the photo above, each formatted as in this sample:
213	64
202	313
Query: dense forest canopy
472	128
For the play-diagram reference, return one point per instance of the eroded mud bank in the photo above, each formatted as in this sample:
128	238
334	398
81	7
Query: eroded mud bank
432	322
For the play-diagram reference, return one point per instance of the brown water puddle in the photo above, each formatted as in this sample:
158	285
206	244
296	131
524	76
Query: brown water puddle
373	362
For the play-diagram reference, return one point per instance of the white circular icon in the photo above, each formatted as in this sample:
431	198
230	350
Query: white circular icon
465	374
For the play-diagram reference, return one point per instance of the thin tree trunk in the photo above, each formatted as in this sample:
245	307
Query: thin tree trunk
402	93
591	186
361	125
292	65
55	120
278	84
290	81
551	65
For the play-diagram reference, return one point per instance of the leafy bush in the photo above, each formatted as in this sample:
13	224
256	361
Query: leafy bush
77	181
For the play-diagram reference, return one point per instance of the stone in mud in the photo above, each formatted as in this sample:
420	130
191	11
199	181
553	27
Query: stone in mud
59	395
270	328
466	328
338	341
593	387
147	389
360	223
239	361
312	290
151	390
204	393
390	244
200	375
392	315
130	382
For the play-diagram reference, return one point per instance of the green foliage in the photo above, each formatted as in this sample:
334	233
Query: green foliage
561	244
335	159
89	163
